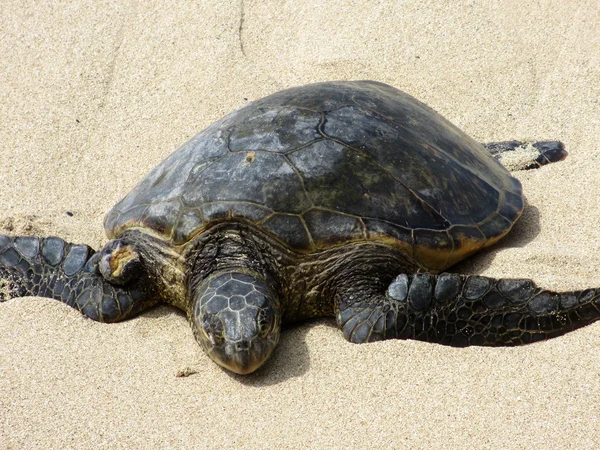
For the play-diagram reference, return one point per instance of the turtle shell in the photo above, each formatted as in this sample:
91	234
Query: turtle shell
330	163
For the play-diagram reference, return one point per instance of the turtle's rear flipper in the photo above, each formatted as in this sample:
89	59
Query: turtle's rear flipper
463	310
50	267
517	155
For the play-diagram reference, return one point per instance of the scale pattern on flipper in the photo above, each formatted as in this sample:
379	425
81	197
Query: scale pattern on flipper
463	310
50	267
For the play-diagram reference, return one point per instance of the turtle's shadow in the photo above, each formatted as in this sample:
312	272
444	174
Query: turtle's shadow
524	231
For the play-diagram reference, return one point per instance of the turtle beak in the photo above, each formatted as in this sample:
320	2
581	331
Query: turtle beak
243	363
241	357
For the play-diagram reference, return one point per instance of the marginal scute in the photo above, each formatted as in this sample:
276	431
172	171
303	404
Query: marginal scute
512	206
514	185
495	228
432	248
467	240
328	228
189	221
289	229
162	216
390	234
116	222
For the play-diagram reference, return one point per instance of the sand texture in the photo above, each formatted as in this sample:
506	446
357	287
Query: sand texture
93	94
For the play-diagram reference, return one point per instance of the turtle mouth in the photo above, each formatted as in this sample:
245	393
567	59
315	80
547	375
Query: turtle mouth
241	358
243	363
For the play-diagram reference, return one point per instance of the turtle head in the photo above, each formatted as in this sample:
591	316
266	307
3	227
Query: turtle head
236	319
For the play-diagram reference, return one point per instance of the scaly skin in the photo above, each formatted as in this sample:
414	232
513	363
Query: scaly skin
461	310
53	268
242	285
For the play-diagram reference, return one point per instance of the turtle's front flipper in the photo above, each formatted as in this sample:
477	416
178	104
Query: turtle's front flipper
463	310
51	267
516	155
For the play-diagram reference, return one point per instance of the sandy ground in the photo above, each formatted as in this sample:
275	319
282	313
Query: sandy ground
93	94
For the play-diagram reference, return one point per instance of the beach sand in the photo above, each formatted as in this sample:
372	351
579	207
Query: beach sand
94	94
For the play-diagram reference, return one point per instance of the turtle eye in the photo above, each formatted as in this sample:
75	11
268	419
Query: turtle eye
213	329
265	322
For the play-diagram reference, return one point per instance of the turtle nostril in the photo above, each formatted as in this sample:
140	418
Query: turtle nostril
242	345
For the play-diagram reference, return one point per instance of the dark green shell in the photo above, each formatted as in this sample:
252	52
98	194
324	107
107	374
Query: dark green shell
332	163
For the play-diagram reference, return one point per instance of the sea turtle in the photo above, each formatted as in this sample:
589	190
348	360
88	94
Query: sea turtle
341	199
